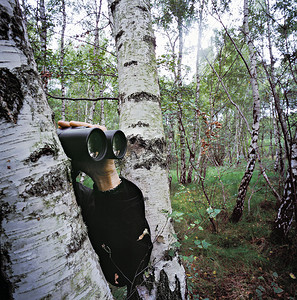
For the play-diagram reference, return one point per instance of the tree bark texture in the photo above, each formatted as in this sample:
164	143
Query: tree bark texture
141	120
182	137
253	148
196	129
62	55
45	250
287	209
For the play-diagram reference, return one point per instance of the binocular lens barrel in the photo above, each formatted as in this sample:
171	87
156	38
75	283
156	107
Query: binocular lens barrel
96	145
81	143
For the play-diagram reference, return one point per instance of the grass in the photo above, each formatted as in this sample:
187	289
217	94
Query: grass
238	261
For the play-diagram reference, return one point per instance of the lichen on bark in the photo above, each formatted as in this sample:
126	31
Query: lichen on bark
11	96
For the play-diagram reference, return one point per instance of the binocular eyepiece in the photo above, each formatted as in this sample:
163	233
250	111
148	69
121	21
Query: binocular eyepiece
92	144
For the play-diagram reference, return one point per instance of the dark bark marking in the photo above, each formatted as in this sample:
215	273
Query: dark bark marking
5	209
113	5
142	8
139	97
76	243
4	21
120	46
130	63
11	96
5	285
118	35
12	27
18	33
149	152
139	124
150	40
47	149
163	290
47	184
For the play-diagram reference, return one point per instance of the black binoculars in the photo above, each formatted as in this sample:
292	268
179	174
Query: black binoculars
92	144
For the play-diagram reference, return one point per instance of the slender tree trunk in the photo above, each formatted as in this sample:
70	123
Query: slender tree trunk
252	158
287	209
43	42
45	250
97	12
182	138
197	98
62	55
141	120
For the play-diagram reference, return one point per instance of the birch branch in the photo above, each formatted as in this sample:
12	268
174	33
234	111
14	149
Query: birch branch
78	99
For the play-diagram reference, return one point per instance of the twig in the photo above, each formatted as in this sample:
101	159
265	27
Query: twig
78	99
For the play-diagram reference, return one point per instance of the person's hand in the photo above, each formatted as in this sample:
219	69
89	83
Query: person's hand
103	172
66	124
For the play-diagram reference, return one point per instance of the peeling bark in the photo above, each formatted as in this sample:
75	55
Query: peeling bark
45	252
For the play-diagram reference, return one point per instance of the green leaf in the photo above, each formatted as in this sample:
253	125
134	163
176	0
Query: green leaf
277	290
275	275
205	244
261	288
213	212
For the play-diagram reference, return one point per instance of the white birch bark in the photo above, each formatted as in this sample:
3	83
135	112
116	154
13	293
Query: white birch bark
141	120
196	128
45	251
253	148
287	209
62	54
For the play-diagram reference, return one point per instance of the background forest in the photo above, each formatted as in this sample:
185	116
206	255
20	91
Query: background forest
228	81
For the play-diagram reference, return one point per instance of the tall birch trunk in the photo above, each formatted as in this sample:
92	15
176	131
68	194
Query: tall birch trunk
182	137
45	250
253	148
141	120
62	54
197	100
287	209
97	12
43	41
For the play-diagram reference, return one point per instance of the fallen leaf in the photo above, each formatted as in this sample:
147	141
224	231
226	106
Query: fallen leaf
160	239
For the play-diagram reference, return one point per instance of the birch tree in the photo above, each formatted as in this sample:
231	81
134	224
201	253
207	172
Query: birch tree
253	148
62	55
45	250
288	208
141	120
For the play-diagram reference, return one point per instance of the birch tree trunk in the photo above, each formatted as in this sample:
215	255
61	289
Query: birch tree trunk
197	99
45	250
287	209
253	148
97	13
62	54
182	137
43	42
141	120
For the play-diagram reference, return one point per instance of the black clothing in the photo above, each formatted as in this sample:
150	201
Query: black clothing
116	222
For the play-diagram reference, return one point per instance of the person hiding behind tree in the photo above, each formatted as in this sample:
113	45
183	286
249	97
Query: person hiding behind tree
114	214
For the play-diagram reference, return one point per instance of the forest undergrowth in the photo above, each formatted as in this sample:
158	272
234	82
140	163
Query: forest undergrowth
237	261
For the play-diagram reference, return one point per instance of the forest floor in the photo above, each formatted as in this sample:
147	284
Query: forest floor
239	261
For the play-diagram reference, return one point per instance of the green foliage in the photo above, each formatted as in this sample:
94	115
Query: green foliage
238	255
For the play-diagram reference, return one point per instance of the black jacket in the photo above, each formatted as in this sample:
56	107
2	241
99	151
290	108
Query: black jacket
116	223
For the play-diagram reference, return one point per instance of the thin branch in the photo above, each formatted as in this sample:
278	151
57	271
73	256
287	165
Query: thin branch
229	97
78	99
